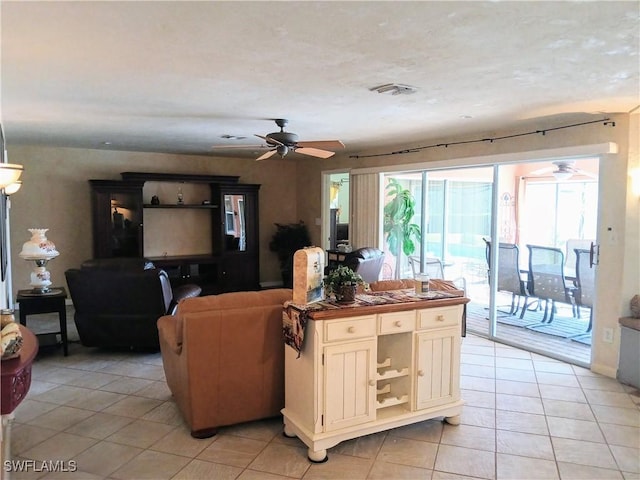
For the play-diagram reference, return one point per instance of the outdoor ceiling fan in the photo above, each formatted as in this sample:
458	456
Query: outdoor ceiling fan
563	170
284	142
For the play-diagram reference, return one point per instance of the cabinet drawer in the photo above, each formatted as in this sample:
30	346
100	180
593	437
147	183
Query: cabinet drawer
349	328
439	317
396	322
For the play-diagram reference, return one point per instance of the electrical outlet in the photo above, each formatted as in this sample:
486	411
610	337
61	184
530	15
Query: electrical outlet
607	335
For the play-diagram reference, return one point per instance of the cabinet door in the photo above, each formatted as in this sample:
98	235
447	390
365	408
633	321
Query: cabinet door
236	240
116	218
237	273
237	218
350	386
437	372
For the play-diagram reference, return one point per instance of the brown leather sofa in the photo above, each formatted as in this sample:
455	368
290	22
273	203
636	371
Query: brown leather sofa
223	358
117	302
366	261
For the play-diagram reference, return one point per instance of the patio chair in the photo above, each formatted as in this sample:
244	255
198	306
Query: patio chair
433	266
435	269
585	283
509	274
546	279
570	254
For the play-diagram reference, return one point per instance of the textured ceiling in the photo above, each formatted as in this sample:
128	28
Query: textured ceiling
178	76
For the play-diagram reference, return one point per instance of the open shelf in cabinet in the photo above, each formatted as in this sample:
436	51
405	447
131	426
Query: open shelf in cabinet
393	373
385	397
171	205
391	400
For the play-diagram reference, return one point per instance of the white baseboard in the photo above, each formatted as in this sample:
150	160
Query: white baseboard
604	370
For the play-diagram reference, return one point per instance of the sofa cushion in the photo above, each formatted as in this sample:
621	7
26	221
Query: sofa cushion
173	326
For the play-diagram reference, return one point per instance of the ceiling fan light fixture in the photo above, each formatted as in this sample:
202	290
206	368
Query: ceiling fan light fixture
282	150
394	89
562	175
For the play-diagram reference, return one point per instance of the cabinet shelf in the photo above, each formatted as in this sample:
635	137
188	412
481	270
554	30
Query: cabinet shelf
386	363
385	375
383	390
170	205
392	401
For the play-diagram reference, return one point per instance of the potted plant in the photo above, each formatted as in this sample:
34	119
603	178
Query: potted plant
400	233
343	282
288	239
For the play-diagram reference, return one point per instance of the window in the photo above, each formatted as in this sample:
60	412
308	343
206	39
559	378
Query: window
556	212
453	218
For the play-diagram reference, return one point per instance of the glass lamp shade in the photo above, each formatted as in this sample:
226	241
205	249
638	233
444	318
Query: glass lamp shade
9	173
559	175
12	188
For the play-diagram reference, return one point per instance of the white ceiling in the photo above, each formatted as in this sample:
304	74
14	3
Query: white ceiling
177	76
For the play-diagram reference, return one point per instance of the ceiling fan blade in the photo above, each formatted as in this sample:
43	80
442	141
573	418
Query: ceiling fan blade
587	174
228	147
270	141
323	144
542	171
315	152
264	156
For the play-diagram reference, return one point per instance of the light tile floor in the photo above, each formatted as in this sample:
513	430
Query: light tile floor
526	417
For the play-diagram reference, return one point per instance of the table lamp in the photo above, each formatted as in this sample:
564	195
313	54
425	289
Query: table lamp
39	250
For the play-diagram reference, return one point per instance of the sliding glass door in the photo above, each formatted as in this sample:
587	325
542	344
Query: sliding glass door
453	213
459	212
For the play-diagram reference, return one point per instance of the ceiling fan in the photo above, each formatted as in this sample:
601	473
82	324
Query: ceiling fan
284	142
563	170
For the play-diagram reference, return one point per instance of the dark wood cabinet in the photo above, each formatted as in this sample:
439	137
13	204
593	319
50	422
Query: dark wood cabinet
237	231
233	263
116	218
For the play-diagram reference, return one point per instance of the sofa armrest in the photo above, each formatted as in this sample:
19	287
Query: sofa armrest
170	330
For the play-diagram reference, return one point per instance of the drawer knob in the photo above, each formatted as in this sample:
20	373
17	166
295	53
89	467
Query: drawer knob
440	318
398	323
372	383
351	329
420	373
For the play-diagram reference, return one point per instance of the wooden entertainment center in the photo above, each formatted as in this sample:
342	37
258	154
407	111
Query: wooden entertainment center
228	216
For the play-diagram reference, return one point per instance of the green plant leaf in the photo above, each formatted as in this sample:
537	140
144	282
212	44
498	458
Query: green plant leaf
341	275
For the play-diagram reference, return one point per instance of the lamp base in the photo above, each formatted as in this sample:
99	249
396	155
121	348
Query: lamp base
41	290
37	293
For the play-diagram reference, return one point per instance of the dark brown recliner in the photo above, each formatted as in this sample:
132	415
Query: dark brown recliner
117	302
366	261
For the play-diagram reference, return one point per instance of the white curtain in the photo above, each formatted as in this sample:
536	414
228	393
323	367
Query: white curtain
365	208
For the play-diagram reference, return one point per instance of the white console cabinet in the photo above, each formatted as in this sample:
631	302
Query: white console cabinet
367	369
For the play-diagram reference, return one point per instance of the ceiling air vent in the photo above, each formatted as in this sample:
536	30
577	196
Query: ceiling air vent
232	137
395	89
